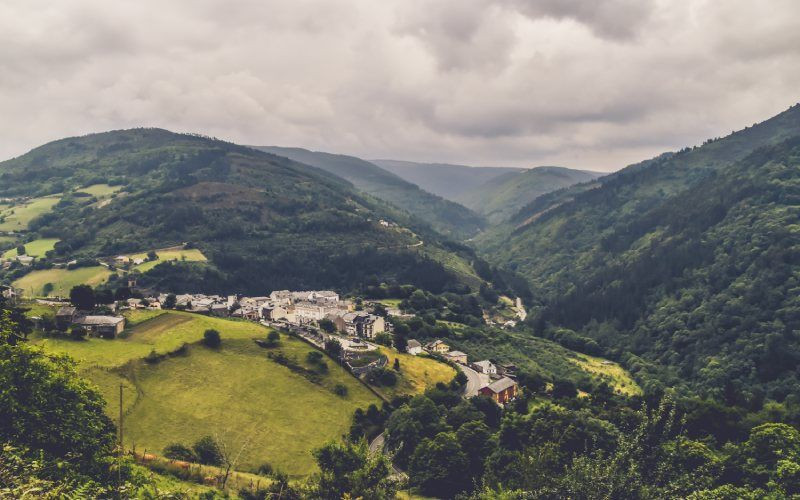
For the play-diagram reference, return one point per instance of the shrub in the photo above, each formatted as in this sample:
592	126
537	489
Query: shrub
265	469
177	451
340	390
207	451
382	376
211	338
314	357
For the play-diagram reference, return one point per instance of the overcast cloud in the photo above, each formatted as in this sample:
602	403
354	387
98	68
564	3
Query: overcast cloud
581	83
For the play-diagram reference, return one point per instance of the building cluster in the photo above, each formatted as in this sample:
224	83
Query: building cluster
286	307
104	326
499	382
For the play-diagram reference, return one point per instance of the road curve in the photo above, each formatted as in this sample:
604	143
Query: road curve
474	381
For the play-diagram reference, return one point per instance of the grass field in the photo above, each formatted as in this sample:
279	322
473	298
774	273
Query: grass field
35	248
236	392
616	376
62	279
18	217
6	239
100	190
191	255
417	373
390	302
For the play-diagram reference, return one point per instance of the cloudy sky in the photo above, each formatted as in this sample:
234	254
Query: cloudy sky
582	83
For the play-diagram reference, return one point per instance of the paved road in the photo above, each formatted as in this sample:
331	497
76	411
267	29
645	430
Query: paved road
474	381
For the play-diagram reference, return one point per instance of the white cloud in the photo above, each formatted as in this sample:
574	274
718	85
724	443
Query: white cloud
516	82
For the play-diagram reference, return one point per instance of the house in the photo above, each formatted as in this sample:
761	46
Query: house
361	324
107	327
25	260
456	357
65	316
273	312
219	310
413	347
501	391
486	367
122	259
438	347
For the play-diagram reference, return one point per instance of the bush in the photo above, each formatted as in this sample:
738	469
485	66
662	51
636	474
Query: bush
211	338
207	451
314	357
340	390
265	469
382	376
177	451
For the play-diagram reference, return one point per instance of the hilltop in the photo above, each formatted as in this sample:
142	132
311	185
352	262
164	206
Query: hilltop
445	216
262	221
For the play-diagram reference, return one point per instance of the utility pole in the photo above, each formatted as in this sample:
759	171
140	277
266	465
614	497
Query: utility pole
119	462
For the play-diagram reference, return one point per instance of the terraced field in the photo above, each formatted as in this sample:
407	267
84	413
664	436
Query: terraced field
17	217
35	248
62	280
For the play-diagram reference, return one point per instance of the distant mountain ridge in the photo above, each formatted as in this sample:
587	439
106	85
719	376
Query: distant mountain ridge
449	181
497	193
446	216
503	196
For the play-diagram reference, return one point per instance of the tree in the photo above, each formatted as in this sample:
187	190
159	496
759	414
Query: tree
123	293
211	338
82	297
152	255
439	466
208	451
21	250
273	338
563	388
327	325
348	471
396	364
47	289
177	451
170	301
333	348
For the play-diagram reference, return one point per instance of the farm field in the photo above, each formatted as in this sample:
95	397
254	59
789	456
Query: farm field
235	392
35	248
62	279
612	373
100	190
416	373
191	255
18	217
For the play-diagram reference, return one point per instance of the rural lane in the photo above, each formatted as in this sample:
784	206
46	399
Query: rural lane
474	381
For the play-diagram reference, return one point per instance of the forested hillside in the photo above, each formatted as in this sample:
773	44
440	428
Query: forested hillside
264	221
502	197
445	216
688	262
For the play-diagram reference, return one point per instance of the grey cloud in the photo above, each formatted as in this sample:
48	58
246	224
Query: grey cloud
515	82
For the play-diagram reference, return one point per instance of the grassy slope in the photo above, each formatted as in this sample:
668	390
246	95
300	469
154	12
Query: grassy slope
235	392
100	190
35	248
18	217
190	255
416	373
62	279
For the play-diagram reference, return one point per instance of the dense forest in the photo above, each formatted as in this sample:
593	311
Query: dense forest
683	267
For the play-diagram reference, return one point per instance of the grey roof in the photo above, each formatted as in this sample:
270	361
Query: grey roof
100	320
66	310
483	364
455	353
413	343
501	385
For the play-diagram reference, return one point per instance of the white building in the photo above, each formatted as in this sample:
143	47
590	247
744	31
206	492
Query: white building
414	347
486	367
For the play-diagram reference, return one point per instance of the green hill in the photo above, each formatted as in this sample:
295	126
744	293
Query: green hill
263	221
236	392
689	261
503	196
445	216
443	179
